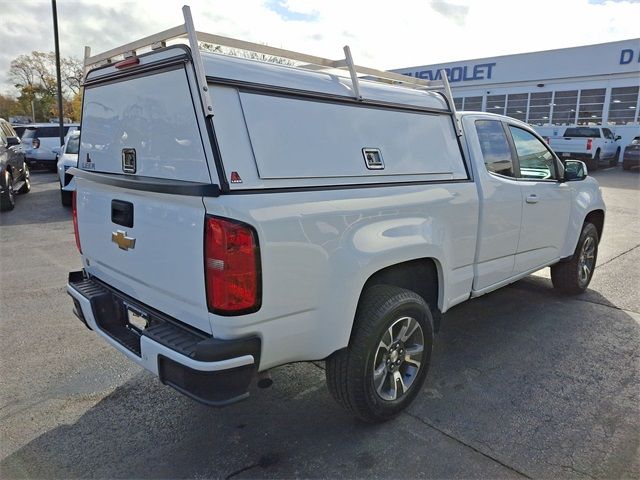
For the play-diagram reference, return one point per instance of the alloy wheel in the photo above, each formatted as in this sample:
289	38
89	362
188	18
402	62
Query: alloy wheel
398	358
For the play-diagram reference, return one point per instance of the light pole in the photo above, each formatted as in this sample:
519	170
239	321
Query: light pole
59	80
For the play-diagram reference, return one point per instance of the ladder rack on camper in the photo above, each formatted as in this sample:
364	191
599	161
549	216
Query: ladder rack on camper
311	62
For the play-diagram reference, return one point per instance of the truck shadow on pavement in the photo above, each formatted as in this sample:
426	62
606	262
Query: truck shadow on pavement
523	383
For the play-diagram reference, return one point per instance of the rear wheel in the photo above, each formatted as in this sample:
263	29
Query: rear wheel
8	198
387	360
594	163
626	166
573	277
614	161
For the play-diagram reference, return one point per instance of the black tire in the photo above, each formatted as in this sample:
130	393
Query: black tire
566	276
65	197
626	166
350	371
8	197
26	186
614	161
594	163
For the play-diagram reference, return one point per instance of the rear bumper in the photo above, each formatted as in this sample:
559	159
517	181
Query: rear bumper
37	155
574	156
212	371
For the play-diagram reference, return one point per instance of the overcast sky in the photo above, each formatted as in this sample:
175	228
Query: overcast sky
382	34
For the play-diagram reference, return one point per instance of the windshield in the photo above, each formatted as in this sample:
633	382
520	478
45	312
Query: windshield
73	144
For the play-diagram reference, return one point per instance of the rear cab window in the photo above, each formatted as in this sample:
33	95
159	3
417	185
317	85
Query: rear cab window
582	132
495	148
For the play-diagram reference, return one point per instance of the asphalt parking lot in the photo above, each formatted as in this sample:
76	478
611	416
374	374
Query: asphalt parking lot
524	382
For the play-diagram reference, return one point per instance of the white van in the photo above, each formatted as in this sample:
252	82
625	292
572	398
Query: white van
234	216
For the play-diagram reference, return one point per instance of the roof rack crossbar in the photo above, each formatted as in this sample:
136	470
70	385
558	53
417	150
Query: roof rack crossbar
306	61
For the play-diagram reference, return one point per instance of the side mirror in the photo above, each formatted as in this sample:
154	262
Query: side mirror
13	141
575	170
618	137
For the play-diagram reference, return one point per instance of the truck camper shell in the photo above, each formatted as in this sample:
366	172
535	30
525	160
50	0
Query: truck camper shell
313	123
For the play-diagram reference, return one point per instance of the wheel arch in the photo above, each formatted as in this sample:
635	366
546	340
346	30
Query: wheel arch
422	276
596	217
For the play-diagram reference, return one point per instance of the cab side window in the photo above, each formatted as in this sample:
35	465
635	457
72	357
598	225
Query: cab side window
495	148
535	159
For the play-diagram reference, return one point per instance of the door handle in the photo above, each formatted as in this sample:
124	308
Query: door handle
533	198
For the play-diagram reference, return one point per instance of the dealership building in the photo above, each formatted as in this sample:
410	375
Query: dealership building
590	85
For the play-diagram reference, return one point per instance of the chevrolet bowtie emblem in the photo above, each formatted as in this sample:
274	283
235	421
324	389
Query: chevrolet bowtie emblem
120	238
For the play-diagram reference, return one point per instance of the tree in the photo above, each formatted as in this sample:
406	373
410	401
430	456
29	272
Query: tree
72	72
34	75
9	107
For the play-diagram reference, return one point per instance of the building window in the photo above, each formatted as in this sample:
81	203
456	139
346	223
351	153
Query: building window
591	104
564	107
496	104
473	104
540	108
458	102
623	104
517	105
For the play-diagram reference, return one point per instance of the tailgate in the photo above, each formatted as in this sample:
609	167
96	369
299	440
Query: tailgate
569	145
142	128
159	260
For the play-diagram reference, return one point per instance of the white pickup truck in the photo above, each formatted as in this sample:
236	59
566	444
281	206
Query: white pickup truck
593	145
306	216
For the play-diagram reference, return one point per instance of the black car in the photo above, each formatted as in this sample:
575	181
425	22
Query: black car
14	172
631	157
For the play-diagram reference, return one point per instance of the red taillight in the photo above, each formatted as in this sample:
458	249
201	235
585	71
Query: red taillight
589	143
128	62
75	221
232	267
36	143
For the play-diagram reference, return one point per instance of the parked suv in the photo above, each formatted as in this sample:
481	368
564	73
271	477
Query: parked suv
39	141
14	172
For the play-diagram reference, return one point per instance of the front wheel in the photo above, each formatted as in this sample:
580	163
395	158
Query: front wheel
573	277
382	370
